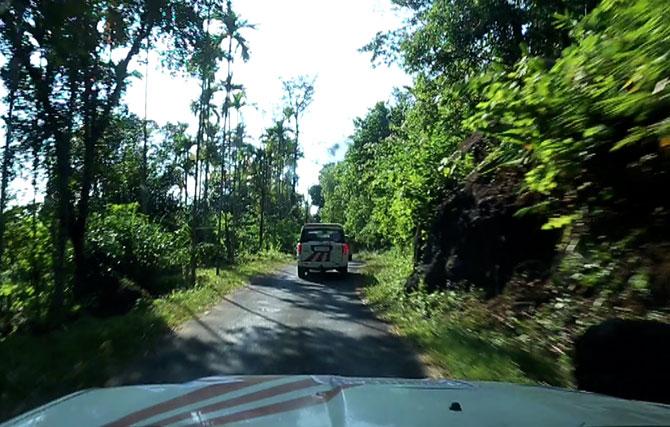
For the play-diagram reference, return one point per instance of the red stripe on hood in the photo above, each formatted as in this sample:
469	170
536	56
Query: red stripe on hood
188	399
278	408
241	400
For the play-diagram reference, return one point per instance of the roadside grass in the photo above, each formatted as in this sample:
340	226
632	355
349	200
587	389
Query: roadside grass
450	330
180	305
86	353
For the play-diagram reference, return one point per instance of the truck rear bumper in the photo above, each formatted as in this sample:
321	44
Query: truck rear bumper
321	265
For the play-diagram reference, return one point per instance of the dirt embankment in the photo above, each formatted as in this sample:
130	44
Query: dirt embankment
551	286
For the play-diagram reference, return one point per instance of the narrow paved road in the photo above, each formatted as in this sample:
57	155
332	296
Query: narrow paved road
281	325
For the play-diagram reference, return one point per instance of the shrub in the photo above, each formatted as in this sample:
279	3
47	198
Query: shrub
132	255
25	282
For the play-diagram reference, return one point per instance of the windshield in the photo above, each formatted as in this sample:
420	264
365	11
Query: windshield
322	235
471	190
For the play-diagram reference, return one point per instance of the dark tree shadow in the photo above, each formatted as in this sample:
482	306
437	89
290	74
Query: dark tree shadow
365	347
277	351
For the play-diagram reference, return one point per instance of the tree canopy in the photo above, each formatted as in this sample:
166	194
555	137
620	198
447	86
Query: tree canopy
129	204
572	95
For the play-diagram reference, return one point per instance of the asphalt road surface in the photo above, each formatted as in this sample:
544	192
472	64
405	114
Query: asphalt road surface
283	325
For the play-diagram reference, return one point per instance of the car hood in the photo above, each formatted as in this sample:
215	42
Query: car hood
338	401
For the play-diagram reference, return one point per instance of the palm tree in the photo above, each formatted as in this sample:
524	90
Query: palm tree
210	132
278	137
299	94
236	42
239	102
205	58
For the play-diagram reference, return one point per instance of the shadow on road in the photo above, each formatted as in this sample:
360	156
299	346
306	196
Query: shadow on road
345	339
280	351
332	294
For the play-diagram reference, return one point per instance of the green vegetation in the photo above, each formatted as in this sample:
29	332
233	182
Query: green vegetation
101	246
528	120
122	207
559	119
452	330
88	352
603	100
545	117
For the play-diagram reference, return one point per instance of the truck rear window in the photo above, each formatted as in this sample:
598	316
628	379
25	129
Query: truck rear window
322	235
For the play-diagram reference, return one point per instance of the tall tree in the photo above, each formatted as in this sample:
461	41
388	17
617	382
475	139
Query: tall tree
12	77
456	39
145	133
205	61
298	94
262	179
236	43
76	87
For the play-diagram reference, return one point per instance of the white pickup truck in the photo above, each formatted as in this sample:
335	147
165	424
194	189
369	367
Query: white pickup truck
322	247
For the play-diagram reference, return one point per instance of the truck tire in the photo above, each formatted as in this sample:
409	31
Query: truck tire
343	270
302	272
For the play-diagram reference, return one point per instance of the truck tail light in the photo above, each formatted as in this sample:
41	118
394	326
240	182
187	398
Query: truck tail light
345	249
299	248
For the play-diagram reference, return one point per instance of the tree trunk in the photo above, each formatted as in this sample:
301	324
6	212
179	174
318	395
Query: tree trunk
295	159
34	272
7	162
228	210
261	227
222	178
194	210
266	188
226	108
145	134
208	145
186	179
205	181
235	193
280	168
63	197
60	125
78	226
238	171
79	258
